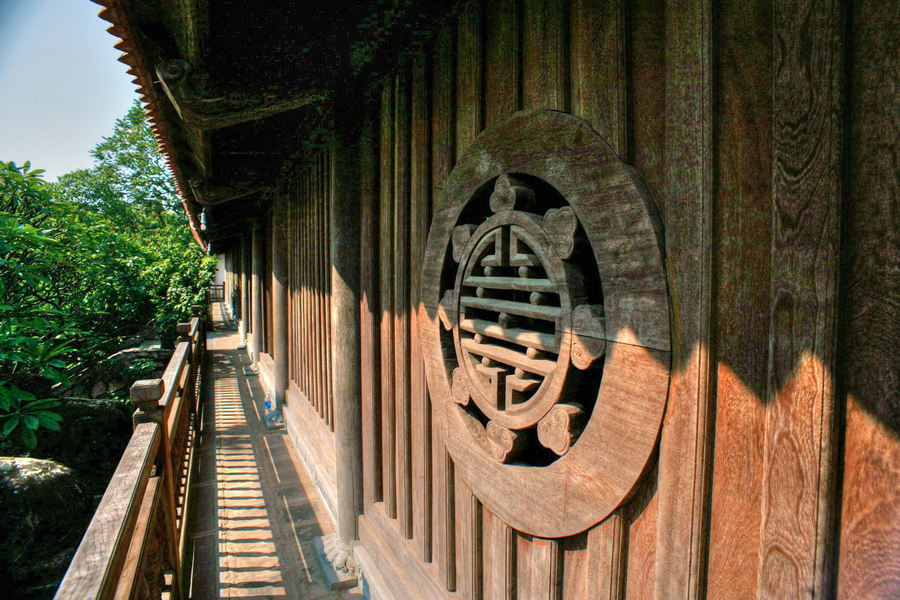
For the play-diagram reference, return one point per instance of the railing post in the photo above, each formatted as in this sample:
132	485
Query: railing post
145	395
184	332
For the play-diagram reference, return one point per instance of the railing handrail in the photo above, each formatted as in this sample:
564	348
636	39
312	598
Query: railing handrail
147	490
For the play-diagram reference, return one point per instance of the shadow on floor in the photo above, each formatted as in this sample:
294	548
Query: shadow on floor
257	510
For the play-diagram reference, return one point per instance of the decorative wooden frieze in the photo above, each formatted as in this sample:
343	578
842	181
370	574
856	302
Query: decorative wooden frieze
545	323
560	427
207	107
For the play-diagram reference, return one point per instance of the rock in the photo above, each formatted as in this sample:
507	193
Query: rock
99	389
93	435
115	386
44	510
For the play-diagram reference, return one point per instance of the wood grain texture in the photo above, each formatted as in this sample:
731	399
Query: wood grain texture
419	219
545	54
469	75
469	549
546	570
402	123
396	557
798	472
501	58
573	494
370	385
599	79
685	442
646	60
606	545
743	42
443	157
499	559
98	561
641	516
135	563
870	303
386	262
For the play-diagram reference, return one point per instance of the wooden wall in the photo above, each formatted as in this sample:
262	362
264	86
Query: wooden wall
767	135
764	134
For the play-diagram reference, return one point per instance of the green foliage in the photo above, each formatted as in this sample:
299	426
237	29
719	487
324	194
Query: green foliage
102	254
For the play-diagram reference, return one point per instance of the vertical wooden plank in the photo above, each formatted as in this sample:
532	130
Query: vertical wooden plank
324	276
469	75
326	235
469	121
641	524
523	565
307	288
443	132
386	228
743	86
605	549
545	54
401	303
685	441
598	69
599	84
419	222
317	284
870	305
469	558
320	288
500	559
501	60
646	60
546	570
369	314
799	494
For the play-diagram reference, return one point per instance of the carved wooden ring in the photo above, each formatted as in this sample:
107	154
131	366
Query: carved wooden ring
544	182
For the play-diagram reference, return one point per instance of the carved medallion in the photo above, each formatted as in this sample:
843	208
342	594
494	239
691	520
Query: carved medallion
515	291
545	323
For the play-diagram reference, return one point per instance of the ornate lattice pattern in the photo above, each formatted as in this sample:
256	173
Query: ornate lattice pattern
520	314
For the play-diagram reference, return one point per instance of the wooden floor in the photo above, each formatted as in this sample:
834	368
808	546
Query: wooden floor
257	510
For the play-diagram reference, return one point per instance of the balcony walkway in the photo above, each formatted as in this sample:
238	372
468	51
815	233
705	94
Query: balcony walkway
257	509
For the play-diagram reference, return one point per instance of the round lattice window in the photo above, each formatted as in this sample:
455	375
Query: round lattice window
545	323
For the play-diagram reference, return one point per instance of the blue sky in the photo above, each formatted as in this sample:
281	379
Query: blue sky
61	87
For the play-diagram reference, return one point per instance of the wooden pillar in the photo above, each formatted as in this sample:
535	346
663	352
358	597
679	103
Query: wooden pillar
345	341
279	302
245	289
256	292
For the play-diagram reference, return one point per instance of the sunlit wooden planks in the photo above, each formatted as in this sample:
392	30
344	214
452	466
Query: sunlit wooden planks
420	214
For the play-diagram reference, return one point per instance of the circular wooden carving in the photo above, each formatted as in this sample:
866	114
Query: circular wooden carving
545	323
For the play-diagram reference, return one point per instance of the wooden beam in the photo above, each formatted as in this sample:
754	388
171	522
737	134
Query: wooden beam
210	194
215	109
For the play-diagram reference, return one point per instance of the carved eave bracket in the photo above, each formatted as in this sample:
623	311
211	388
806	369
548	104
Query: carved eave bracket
209	109
210	194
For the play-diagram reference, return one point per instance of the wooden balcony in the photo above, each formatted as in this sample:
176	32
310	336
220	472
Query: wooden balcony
205	503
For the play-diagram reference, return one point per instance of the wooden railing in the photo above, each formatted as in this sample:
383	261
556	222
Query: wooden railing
135	546
217	293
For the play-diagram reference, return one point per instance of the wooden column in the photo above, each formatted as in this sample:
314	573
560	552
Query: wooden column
256	292
345	332
280	302
245	289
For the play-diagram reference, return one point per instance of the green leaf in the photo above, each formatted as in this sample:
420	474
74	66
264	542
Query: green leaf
30	422
28	438
48	423
10	425
42	404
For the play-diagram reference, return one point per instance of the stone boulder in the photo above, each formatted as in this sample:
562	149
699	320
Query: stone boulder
92	437
44	510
